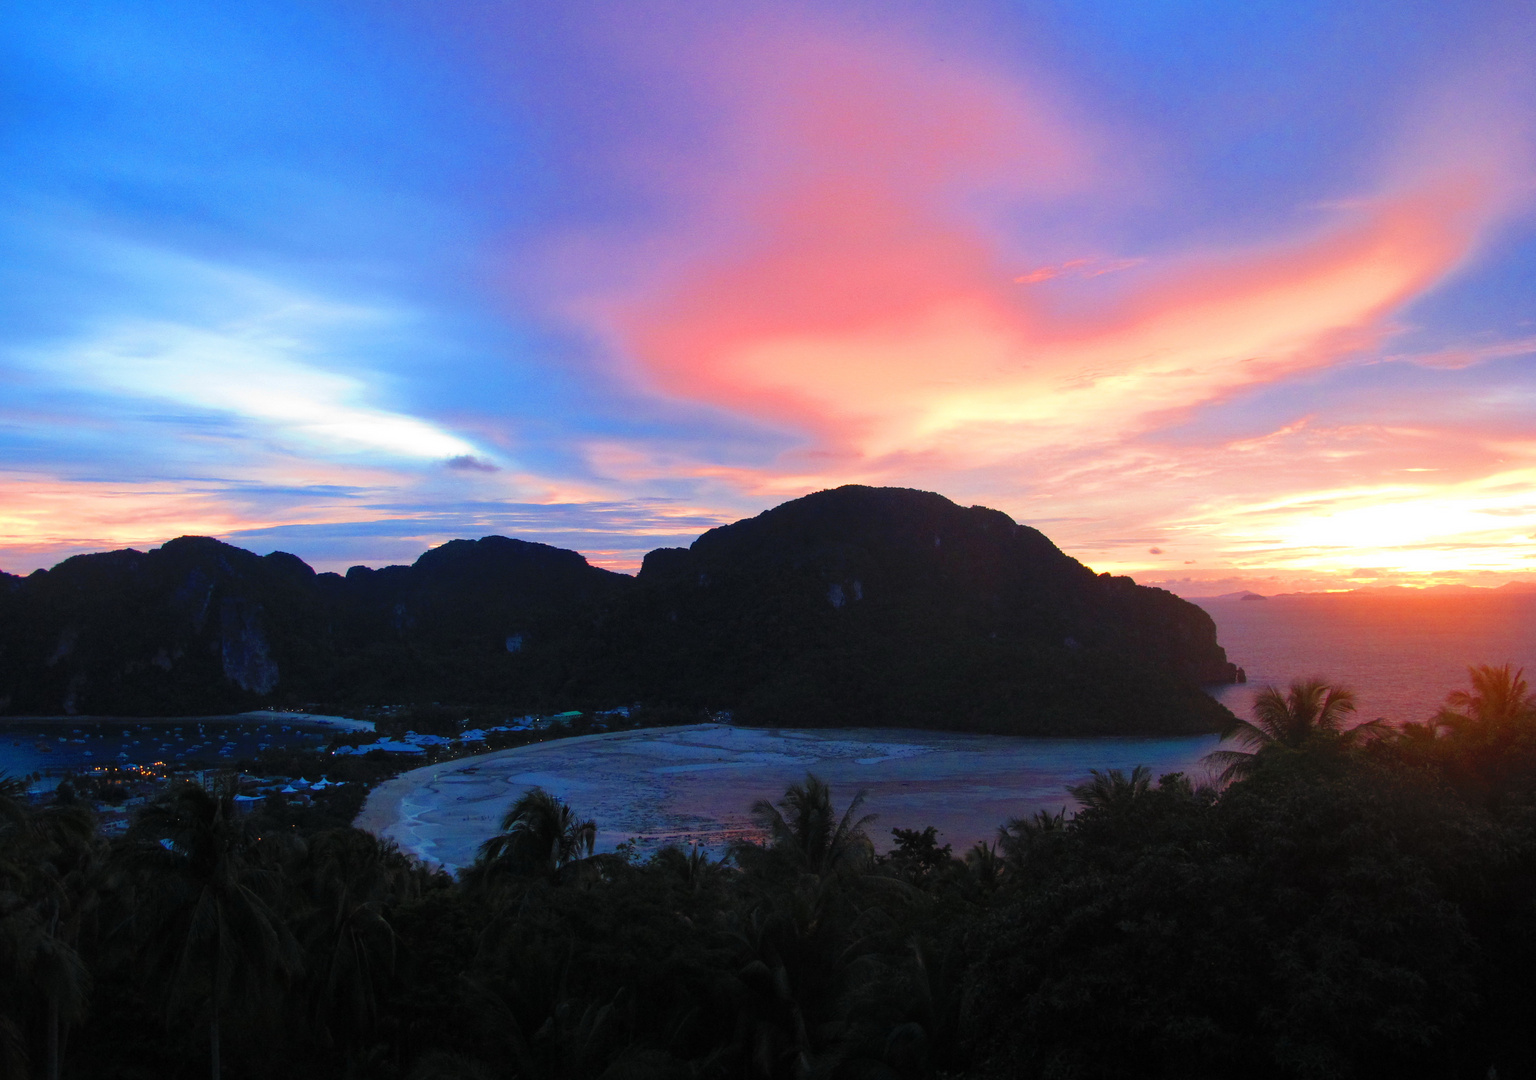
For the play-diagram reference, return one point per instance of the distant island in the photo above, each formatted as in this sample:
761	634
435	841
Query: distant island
857	606
1390	592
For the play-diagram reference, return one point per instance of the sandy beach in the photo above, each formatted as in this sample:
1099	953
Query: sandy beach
697	783
299	719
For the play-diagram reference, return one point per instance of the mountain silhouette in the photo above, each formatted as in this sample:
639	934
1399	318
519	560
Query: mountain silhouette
857	606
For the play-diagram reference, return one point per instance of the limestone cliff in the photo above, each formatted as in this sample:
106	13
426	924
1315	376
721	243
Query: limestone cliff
860	606
892	606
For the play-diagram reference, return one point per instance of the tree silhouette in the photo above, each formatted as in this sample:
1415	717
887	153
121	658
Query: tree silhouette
1499	703
349	878
49	874
1310	709
210	928
1108	790
804	829
917	857
540	837
785	974
1484	738
693	869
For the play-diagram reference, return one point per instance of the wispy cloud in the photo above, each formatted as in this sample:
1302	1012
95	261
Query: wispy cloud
1076	268
1461	356
278	363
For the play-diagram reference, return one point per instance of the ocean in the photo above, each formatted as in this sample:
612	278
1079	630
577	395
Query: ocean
1400	654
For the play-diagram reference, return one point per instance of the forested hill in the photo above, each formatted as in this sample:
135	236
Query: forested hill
891	606
200	626
879	606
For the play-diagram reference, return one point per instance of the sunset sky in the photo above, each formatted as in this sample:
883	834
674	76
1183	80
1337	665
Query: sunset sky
1220	295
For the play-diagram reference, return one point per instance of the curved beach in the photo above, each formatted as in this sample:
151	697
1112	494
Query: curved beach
696	783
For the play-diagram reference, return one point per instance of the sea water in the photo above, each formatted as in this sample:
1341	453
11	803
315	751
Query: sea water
1400	654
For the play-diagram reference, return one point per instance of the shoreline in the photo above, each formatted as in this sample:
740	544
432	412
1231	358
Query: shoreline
381	812
255	716
696	783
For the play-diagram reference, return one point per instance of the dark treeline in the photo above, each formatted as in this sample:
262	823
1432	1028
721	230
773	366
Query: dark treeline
1355	903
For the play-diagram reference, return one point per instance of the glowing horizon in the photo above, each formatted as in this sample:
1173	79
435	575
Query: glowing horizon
1221	300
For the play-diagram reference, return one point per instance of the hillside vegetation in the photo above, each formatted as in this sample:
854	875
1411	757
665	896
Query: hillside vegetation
1359	905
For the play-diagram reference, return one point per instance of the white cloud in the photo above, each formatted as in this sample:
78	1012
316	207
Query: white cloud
271	357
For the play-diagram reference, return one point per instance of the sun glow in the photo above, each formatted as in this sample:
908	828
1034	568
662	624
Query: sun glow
1401	534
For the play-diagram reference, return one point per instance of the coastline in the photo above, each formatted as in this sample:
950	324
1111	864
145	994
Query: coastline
255	716
696	783
382	810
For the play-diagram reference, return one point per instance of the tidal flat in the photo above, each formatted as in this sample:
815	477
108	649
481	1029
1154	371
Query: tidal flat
697	783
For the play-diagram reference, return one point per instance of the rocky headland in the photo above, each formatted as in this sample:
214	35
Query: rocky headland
853	607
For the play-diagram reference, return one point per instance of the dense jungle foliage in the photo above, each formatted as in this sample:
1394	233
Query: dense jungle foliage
1356	902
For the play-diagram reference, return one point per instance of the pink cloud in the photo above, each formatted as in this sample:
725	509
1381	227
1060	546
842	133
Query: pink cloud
1080	268
859	241
844	277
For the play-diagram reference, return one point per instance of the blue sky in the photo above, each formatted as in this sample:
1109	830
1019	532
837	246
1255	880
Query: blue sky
1252	284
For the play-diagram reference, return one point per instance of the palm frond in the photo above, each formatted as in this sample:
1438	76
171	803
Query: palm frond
1231	764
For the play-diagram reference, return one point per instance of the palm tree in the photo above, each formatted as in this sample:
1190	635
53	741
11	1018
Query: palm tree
210	926
803	828
1109	790
984	867
349	878
1499	702
1023	840
1311	709
787	969
439	1065
553	1032
69	879
540	836
61	976
904	1018
1484	737
693	869
15	875
49	874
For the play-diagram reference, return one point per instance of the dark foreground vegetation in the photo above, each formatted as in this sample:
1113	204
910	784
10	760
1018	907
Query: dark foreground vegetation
854	607
1356	903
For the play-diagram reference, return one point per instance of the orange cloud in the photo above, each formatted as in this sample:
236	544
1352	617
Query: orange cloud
44	519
